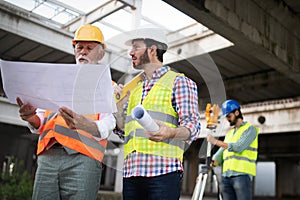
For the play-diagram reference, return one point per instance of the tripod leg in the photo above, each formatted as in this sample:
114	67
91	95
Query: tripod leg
203	186
197	187
215	179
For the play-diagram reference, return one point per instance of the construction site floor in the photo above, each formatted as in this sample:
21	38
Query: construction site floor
109	195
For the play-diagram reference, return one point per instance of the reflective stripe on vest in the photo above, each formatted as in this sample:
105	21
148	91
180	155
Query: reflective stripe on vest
244	161
78	140
158	104
141	133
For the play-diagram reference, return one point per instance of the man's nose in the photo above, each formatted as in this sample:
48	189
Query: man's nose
84	51
131	52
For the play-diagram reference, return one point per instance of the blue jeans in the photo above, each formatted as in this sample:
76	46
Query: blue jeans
237	188
63	176
164	187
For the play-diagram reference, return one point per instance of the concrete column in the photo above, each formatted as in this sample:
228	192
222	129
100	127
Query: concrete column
108	172
119	170
288	177
137	14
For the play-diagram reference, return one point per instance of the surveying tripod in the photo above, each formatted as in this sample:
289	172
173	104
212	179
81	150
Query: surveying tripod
202	178
212	121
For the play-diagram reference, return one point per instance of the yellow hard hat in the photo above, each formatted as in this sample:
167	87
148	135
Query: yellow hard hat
88	32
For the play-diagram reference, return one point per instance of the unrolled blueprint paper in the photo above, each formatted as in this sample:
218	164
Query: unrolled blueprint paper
86	89
144	119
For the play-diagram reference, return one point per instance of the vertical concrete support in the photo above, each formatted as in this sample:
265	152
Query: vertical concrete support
288	178
119	170
137	14
108	172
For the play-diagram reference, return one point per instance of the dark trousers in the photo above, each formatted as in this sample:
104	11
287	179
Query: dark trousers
164	187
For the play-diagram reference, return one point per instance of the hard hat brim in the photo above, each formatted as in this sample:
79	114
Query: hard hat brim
74	42
153	33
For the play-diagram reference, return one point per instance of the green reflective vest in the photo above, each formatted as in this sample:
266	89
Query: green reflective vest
158	103
244	161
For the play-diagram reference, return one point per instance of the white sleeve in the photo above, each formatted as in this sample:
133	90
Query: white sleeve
40	113
105	125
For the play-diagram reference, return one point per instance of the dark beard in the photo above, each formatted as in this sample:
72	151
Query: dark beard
234	121
144	59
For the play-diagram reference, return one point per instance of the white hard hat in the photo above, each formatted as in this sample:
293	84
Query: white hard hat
147	32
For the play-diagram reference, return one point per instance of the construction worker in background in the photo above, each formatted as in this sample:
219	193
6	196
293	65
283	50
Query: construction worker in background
153	160
237	154
71	146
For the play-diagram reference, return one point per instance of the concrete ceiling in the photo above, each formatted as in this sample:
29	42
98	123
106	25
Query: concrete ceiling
246	78
251	71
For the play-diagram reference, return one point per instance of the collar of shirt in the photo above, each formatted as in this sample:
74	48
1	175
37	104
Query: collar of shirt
242	124
158	73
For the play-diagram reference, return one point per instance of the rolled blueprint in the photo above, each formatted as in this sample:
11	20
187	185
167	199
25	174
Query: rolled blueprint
144	119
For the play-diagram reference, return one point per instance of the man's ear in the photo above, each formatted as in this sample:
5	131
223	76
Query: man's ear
102	53
153	49
236	112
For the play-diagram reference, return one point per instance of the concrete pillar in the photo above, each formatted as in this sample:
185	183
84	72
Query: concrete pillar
137	14
288	177
119	170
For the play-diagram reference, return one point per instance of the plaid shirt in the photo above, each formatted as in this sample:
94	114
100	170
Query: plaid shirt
185	103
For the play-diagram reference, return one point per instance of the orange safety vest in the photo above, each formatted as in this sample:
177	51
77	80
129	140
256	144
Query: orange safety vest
55	127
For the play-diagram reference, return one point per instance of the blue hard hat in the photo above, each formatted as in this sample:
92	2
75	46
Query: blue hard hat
229	106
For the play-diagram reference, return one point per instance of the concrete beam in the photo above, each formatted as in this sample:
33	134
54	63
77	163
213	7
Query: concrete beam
280	116
181	47
10	113
267	30
193	46
254	81
19	22
63	5
99	13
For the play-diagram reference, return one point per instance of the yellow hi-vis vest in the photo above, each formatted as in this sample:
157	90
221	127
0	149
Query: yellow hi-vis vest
81	141
158	103
246	160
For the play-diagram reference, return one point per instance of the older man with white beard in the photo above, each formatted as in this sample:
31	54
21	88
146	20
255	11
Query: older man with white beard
71	146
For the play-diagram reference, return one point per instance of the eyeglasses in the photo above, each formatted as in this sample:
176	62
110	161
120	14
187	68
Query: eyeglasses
136	48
